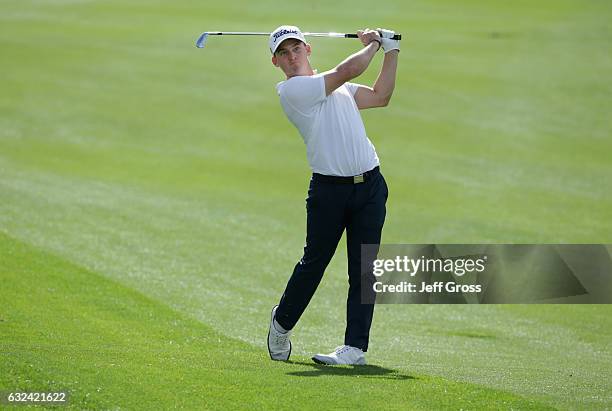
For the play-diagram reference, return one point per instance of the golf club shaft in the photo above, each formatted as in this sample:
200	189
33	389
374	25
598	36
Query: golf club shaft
260	33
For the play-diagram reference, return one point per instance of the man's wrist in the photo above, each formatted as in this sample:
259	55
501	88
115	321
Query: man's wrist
376	41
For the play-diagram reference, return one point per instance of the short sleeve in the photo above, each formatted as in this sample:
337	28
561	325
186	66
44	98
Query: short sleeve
352	88
303	92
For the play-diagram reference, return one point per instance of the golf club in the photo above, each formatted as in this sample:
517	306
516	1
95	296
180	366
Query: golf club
202	39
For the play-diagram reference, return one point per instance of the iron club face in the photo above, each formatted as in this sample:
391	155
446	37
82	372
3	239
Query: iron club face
202	40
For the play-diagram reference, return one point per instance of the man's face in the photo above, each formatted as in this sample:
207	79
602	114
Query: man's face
292	57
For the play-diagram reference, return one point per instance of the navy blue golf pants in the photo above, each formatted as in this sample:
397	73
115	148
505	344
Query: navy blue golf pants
332	207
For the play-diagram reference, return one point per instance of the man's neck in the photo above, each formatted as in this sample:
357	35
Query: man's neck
307	72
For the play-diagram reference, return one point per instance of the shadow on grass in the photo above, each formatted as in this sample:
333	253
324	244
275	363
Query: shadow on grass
367	371
470	334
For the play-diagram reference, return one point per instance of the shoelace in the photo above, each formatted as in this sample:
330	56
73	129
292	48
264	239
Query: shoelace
342	349
281	338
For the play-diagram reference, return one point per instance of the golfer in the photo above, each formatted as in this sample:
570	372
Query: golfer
347	190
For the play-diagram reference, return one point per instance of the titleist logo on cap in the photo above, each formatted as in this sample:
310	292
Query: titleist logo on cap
282	33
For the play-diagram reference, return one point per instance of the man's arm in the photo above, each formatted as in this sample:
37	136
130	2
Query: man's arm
355	64
380	94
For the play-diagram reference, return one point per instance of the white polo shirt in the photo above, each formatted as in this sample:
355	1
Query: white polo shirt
331	126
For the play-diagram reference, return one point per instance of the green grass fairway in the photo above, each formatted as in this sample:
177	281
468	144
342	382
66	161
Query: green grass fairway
152	202
112	347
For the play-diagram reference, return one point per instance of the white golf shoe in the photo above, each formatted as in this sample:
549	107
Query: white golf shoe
279	345
345	354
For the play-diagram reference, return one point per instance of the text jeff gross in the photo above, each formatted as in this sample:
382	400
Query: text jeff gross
438	286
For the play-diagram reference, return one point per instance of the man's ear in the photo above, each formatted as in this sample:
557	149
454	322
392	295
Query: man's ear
274	61
308	49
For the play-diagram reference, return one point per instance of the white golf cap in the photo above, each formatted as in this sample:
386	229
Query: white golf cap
283	33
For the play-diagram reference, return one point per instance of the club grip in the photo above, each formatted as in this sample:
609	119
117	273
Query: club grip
354	36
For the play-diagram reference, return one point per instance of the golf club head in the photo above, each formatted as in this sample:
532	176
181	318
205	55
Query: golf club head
202	40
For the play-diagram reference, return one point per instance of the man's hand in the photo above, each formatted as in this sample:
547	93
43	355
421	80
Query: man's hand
367	36
387	43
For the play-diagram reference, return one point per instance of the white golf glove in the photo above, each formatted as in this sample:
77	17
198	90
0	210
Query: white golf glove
387	43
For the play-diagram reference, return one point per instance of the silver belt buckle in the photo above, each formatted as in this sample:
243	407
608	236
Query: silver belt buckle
358	179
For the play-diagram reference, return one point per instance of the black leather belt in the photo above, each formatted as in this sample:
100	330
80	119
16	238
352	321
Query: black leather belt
361	178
